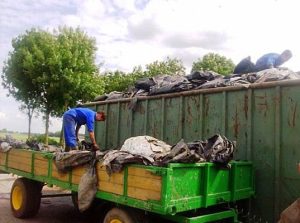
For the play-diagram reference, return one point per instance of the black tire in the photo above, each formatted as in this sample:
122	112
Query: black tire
25	198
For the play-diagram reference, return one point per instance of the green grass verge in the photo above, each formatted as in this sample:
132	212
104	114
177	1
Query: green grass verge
22	136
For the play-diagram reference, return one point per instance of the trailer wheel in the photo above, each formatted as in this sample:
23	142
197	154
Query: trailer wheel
25	198
117	215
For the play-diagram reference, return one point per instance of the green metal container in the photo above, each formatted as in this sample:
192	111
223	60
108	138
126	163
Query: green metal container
264	119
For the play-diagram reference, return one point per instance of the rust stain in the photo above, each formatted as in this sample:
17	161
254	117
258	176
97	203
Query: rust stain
189	117
236	125
246	108
262	104
261	97
206	106
294	116
189	110
292	121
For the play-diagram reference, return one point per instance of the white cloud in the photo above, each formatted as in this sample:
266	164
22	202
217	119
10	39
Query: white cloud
2	115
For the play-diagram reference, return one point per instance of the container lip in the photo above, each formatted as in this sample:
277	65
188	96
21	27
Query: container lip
203	91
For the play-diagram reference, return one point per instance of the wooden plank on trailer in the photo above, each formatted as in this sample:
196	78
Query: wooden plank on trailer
139	171
20	153
110	187
40	156
102	176
143	194
21	160
19	166
2	158
41	172
144	183
41	167
40	163
76	179
79	171
117	178
59	175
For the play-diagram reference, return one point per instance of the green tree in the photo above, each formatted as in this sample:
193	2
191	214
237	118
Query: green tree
117	81
57	69
214	62
168	66
16	75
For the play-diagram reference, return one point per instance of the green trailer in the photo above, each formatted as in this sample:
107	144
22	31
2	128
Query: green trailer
263	118
195	193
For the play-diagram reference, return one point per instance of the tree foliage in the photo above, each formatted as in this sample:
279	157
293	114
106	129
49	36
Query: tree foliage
168	66
214	62
52	70
117	81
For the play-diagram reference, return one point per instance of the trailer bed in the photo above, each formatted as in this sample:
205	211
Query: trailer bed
162	190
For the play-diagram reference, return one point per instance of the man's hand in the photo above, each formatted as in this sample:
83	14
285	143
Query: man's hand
95	147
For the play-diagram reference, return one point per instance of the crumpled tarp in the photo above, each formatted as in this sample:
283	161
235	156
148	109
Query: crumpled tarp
167	84
150	151
146	146
181	153
114	160
87	187
143	150
276	74
5	147
216	149
65	161
201	77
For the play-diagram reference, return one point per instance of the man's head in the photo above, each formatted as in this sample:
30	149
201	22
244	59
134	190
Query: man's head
100	116
285	56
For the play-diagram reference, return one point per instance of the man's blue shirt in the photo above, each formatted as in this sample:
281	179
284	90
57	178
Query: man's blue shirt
83	116
267	61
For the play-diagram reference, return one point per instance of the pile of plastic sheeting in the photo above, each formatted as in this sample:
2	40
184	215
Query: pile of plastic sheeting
147	150
8	143
199	80
4	147
65	161
140	150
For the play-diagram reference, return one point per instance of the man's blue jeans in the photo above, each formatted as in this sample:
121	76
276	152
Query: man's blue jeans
69	125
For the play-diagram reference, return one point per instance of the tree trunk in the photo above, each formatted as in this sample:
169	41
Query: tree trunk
29	124
47	128
62	138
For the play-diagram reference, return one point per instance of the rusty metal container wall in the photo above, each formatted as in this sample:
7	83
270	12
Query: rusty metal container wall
264	119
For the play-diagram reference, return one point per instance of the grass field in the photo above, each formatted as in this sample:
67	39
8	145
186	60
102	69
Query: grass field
21	136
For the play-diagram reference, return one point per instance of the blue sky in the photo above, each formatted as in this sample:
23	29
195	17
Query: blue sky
138	32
